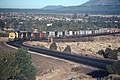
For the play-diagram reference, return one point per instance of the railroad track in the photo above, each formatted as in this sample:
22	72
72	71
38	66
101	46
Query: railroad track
93	62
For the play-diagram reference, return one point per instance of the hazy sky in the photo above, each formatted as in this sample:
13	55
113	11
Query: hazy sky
38	3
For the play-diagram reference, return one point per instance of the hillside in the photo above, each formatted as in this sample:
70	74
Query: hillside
95	7
102	3
92	7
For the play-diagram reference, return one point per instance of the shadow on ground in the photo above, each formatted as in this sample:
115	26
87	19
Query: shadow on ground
98	74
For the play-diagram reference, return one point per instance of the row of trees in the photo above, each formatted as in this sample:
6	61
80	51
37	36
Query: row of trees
16	65
85	23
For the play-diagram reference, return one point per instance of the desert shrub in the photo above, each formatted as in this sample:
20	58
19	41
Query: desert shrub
109	53
113	54
53	46
106	53
101	52
67	49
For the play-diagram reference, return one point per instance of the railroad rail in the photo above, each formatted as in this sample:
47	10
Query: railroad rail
93	62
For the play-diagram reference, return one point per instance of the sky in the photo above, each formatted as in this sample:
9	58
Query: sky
38	3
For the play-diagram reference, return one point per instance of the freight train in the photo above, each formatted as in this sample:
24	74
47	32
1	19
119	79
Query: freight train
24	35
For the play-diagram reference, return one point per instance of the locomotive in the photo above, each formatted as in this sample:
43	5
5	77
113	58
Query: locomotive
13	36
17	35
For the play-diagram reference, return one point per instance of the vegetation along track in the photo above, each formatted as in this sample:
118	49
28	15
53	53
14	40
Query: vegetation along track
93	62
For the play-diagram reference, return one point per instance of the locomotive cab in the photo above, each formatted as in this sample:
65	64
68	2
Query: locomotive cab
11	36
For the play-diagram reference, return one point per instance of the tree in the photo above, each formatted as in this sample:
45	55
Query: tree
2	24
16	65
27	71
53	46
8	68
67	49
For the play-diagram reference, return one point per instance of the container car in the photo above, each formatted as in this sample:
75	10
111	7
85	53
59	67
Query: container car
43	35
36	36
29	36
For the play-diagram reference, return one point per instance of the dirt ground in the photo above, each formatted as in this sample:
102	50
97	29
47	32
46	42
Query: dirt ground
3	39
50	69
55	69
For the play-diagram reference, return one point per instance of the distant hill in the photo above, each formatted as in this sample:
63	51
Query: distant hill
102	3
91	6
50	7
95	7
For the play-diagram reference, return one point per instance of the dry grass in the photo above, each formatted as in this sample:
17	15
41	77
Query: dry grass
85	48
3	39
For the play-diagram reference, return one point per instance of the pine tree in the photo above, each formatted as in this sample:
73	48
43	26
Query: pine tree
27	71
8	68
16	65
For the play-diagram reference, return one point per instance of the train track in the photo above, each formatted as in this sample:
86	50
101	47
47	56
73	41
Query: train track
93	62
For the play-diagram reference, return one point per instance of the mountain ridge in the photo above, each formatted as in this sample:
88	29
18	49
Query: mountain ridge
90	7
101	3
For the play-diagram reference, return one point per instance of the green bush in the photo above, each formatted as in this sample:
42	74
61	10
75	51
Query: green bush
67	49
53	46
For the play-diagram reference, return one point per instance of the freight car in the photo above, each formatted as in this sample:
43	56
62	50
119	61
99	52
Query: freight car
42	35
